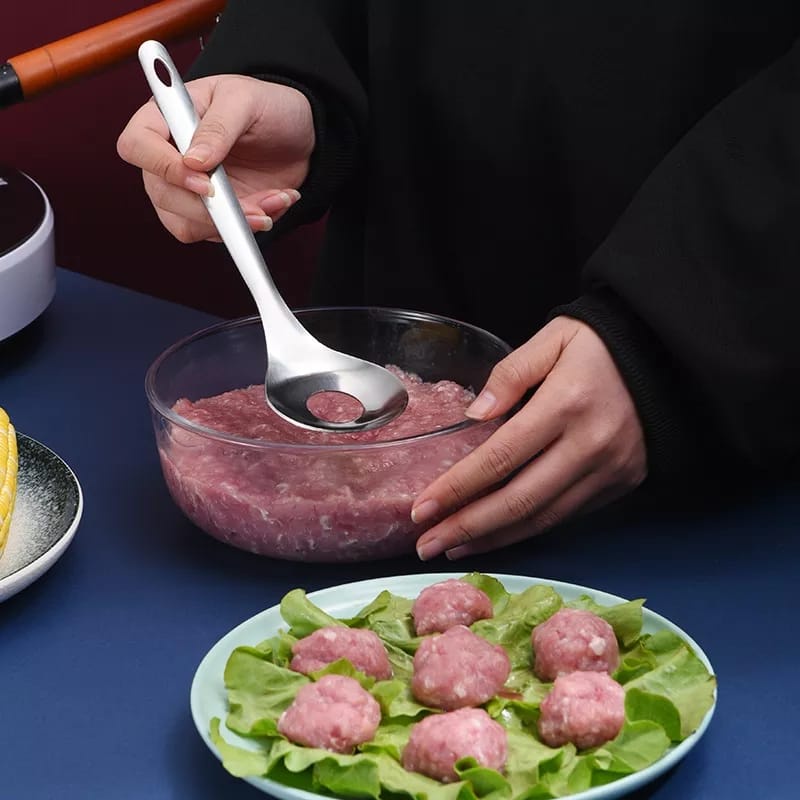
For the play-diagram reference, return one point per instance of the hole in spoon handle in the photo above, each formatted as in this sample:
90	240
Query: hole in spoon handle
169	92
162	72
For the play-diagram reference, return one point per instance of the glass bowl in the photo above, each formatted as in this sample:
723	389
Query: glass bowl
313	496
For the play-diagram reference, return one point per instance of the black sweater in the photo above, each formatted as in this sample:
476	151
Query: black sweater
631	163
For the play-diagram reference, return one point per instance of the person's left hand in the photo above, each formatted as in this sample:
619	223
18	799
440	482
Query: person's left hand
576	444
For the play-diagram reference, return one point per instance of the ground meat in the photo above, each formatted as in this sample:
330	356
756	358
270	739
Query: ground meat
458	668
244	412
334	713
585	708
448	603
345	502
334	406
439	740
360	646
573	639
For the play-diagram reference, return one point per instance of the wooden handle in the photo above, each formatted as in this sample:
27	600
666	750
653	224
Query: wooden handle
94	49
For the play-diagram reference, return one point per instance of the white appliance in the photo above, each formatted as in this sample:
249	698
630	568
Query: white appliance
27	251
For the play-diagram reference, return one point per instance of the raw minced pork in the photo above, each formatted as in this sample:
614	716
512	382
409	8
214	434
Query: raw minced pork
458	668
335	713
585	708
362	647
447	603
312	503
439	740
573	639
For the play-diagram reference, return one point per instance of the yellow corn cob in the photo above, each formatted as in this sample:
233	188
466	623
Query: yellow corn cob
8	475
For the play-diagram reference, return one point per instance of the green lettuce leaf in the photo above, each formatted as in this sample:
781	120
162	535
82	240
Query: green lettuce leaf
302	615
512	627
491	587
258	691
343	666
680	680
279	648
397	701
390	617
238	761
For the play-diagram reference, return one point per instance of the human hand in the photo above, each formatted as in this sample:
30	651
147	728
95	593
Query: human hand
263	131
576	444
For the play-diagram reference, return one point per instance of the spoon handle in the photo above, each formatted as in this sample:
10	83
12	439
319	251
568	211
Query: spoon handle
178	110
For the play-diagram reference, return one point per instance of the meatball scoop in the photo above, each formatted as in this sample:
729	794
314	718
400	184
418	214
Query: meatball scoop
335	713
458	668
447	603
585	708
439	740
362	647
573	639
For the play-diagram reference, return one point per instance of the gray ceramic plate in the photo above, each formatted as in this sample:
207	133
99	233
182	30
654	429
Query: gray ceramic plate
46	515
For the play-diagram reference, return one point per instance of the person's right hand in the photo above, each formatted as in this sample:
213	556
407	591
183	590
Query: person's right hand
264	132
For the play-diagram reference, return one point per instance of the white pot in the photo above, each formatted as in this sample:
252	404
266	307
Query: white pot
27	251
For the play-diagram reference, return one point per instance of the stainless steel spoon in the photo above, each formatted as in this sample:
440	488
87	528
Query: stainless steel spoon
298	365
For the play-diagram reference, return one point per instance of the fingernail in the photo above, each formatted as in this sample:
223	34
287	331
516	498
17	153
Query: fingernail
481	406
200	184
427	550
454	553
282	196
199	152
278	201
294	194
260	222
424	511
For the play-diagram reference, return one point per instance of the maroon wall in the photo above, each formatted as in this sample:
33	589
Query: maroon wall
105	226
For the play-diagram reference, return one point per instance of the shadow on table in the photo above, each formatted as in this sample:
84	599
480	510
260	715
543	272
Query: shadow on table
648	529
195	771
642	535
23	345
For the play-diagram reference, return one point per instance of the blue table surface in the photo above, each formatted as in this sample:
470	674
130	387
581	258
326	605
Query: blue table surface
97	656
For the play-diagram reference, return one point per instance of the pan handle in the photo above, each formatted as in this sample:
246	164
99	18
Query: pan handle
66	60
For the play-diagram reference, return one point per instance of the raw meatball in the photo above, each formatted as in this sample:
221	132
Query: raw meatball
334	713
573	639
451	602
438	741
361	647
458	668
585	708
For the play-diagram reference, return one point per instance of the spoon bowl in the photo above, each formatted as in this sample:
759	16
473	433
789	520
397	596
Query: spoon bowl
298	365
291	395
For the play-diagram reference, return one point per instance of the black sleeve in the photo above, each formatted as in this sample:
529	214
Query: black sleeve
695	290
318	47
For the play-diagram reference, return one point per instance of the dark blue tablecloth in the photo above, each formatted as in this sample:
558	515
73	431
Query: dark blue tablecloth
97	656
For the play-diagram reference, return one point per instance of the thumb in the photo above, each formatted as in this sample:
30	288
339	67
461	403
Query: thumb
228	116
521	370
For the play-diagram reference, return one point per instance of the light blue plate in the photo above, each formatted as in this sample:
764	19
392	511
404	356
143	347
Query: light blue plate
208	698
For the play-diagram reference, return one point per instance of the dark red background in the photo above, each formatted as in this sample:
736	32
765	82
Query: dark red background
105	226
